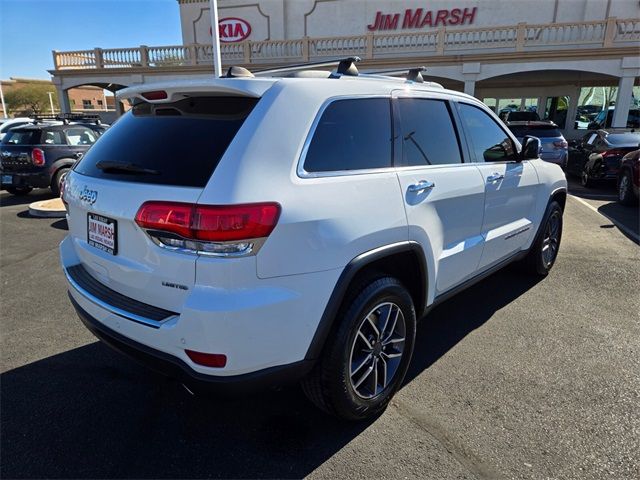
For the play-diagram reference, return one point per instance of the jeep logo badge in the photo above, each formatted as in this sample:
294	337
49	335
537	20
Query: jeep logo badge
88	196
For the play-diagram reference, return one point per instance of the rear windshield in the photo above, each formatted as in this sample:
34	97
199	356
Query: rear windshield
22	137
178	143
540	131
624	139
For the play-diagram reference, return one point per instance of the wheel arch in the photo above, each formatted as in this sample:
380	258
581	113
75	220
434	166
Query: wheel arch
404	261
559	195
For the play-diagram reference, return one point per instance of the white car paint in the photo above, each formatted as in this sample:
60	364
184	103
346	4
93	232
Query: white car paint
263	310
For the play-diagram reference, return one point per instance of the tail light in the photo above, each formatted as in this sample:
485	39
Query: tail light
225	230
37	157
560	144
155	95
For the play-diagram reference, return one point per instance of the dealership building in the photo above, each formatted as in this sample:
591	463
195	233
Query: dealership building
552	56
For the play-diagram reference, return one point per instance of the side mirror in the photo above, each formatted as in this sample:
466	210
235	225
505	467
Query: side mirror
530	148
593	126
573	143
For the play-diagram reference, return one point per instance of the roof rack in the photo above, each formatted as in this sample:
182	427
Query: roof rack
68	117
346	66
411	75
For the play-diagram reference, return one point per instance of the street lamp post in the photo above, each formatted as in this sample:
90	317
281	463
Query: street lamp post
51	102
215	37
4	108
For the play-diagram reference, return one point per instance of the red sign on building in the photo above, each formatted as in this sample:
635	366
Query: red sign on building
419	18
233	29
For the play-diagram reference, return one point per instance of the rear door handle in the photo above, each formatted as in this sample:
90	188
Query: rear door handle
495	177
421	186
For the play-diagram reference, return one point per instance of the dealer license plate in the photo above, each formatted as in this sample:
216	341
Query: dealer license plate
102	233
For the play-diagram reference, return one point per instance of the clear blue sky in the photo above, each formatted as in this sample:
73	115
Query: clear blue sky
30	29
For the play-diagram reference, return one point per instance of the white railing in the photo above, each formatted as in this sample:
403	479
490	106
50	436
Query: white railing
609	33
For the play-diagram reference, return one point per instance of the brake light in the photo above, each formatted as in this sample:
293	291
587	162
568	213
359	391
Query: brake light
223	230
155	95
37	157
216	360
560	144
613	153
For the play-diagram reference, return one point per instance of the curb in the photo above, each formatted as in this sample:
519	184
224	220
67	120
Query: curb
48	209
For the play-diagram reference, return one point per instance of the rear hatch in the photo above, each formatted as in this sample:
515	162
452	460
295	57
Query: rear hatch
156	152
16	150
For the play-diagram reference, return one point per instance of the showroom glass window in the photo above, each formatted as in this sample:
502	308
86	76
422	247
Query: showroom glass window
489	142
352	134
428	135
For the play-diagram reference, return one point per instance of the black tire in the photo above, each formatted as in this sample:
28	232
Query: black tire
625	189
57	180
329	386
585	179
19	191
537	262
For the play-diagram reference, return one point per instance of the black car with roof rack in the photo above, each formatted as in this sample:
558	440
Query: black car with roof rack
39	154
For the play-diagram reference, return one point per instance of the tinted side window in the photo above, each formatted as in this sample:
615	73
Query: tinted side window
352	134
488	141
80	136
53	137
427	132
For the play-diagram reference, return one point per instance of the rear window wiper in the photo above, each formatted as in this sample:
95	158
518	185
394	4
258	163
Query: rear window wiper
122	167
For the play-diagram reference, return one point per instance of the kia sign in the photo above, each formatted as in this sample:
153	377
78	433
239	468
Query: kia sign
233	29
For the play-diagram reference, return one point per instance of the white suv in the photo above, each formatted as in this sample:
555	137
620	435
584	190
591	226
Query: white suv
249	231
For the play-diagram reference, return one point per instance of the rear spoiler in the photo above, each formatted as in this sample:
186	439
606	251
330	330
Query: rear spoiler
171	92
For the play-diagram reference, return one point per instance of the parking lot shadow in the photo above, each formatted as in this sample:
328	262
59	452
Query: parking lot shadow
89	412
8	200
448	323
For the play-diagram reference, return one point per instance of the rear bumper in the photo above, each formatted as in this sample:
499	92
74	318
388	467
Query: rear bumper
176	368
34	180
264	327
552	157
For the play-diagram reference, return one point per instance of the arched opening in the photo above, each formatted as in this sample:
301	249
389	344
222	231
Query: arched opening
572	99
92	98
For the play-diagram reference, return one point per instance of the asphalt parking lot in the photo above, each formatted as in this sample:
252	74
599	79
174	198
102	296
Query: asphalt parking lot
514	378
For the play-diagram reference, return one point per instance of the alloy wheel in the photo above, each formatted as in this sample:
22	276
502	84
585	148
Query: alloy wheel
551	240
377	350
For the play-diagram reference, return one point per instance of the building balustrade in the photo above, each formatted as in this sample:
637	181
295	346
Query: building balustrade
609	33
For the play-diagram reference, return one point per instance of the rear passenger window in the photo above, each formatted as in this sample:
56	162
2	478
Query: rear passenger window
54	137
80	136
489	142
352	134
427	132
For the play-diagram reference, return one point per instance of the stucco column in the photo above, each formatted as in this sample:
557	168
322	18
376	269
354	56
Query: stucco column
470	72
572	111
63	100
469	87
623	102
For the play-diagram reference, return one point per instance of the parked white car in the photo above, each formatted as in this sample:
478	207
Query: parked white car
242	231
7	123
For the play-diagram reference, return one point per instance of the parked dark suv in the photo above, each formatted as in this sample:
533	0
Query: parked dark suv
39	155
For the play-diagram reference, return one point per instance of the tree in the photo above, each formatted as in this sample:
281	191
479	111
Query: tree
33	98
